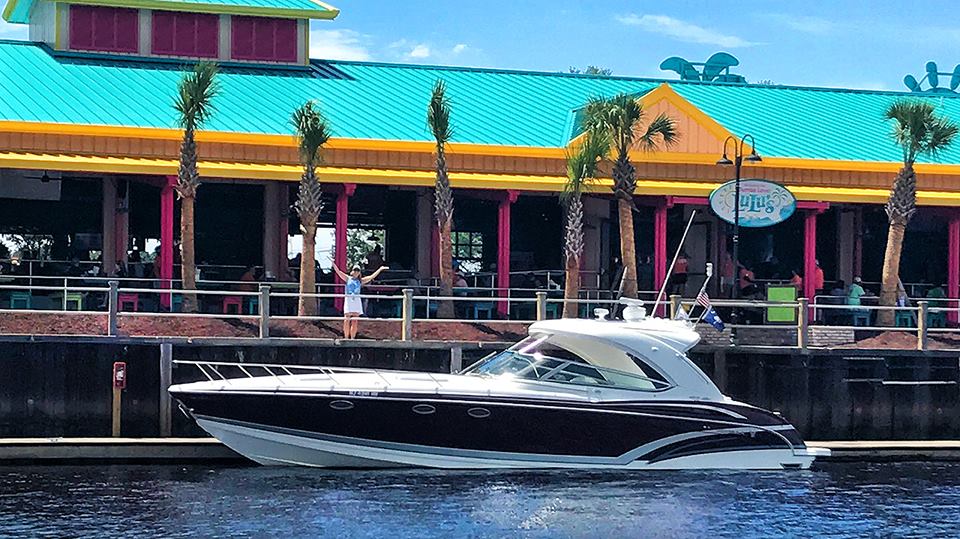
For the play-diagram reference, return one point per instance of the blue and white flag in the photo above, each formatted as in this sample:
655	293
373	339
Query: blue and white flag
710	316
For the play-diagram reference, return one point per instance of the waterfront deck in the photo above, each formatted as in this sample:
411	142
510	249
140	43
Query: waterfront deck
210	451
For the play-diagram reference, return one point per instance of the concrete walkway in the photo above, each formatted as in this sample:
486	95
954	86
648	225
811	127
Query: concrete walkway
209	450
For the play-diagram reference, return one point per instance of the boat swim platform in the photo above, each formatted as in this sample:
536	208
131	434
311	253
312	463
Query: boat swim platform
39	451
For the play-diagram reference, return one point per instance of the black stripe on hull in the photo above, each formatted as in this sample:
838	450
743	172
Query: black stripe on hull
543	428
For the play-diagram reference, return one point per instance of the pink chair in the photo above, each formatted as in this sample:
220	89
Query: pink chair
129	302
232	305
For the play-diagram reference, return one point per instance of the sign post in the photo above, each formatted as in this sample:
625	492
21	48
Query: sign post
119	384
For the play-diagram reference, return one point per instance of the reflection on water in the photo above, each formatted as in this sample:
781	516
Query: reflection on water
164	501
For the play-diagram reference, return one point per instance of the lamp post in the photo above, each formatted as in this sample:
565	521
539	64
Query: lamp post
738	159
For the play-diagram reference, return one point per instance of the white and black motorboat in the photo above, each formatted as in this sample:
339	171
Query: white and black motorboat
574	394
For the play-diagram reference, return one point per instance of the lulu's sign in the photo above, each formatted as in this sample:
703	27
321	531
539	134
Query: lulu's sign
762	203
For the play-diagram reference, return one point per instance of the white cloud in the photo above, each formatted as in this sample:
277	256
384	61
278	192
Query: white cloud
13	31
682	30
339	45
419	51
806	24
458	48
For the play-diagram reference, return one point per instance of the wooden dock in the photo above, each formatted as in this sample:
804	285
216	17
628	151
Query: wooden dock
210	451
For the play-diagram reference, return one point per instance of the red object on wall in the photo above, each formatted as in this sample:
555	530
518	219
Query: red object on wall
120	375
263	39
186	34
105	29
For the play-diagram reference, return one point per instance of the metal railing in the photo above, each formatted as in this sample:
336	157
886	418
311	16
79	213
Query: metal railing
409	308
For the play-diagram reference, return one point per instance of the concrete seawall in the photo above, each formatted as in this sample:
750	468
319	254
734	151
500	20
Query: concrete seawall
61	387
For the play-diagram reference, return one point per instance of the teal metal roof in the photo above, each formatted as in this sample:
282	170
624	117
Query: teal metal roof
816	123
18	11
388	101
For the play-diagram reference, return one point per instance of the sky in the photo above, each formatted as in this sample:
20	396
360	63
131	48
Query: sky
857	44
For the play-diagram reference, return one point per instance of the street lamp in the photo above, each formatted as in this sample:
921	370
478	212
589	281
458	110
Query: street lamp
738	159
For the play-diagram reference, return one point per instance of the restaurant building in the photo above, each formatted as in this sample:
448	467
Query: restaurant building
89	146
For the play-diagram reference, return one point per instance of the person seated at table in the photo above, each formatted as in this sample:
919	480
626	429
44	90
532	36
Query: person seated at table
249	276
747	281
796	280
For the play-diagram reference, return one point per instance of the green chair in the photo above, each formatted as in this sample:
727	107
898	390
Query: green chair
20	300
553	310
253	305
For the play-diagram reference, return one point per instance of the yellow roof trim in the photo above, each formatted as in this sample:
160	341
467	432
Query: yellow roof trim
426	178
263	139
289	141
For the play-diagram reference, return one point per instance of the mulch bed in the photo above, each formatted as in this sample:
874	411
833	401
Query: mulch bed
176	326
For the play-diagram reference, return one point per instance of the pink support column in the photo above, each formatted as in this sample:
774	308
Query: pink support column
809	253
340	236
166	237
503	250
953	265
659	245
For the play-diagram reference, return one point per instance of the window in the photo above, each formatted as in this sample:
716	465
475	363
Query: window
106	29
263	39
468	251
194	35
540	358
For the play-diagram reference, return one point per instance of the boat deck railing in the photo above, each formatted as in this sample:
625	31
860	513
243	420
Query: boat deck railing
212	370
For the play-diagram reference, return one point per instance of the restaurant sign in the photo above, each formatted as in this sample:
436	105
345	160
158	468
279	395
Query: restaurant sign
762	203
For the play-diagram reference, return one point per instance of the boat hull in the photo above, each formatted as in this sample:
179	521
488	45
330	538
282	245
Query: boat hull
344	430
271	447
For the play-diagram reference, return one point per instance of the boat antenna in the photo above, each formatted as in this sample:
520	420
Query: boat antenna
676	254
704	289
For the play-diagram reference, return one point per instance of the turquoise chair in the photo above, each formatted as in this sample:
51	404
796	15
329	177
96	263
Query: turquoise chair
482	307
21	300
253	305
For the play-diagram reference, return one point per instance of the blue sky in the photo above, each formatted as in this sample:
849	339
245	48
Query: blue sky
860	44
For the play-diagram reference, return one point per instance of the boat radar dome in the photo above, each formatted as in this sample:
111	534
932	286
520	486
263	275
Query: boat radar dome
634	311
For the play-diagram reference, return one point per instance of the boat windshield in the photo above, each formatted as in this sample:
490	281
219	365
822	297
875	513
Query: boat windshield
537	358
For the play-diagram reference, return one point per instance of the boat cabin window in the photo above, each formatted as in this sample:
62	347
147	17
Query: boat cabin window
541	358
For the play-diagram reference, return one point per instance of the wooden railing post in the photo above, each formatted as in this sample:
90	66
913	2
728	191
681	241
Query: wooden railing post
803	323
922	325
541	305
112	309
264	305
406	325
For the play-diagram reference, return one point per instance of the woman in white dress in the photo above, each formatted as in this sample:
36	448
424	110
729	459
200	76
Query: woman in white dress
352	304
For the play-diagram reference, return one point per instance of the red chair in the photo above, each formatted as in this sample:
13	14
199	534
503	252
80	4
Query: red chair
232	305
131	300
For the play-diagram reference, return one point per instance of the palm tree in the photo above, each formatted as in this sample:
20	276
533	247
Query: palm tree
582	166
194	104
918	130
621	117
438	120
313	132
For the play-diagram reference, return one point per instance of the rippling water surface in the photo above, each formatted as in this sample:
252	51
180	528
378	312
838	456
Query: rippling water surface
836	500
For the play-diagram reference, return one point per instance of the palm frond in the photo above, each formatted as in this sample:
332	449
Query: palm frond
583	162
438	114
662	129
313	131
195	93
918	130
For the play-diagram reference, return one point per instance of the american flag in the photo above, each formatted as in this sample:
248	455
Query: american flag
710	316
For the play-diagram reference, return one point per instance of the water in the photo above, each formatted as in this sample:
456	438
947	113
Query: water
835	500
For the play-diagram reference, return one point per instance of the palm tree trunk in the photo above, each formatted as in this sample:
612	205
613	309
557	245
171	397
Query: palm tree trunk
445	308
891	272
188	268
571	288
308	277
628	249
